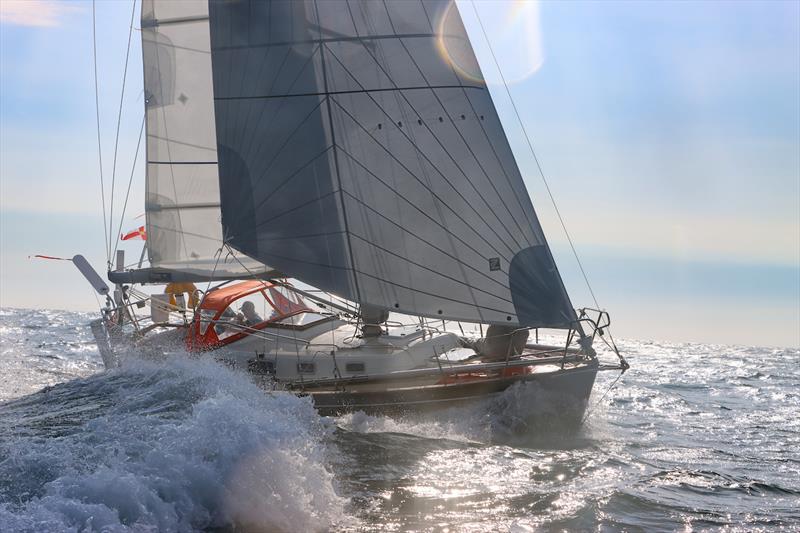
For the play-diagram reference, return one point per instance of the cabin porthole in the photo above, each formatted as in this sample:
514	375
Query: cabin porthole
508	318
439	311
355	367
306	368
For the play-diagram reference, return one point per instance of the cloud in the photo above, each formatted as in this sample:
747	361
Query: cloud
36	13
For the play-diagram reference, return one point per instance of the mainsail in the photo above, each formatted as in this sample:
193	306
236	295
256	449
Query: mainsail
182	196
360	152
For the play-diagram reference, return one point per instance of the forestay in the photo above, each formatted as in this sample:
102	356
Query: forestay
360	152
182	197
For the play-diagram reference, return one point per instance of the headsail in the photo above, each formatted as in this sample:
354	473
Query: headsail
182	197
360	152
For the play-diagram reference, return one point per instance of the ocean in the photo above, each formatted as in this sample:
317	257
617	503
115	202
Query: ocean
693	437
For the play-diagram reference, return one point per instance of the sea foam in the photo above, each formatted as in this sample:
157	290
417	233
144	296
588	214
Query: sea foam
176	446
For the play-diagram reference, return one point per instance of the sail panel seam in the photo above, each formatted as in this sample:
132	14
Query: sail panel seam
439	141
306	236
469	304
164	122
488	141
404	167
433	295
292	175
276	77
336	161
466	144
154	23
280	107
353	91
151	135
381	52
424	123
339	40
184	232
156	208
295	208
541	173
279	150
305	262
418	209
182	162
426	157
432	270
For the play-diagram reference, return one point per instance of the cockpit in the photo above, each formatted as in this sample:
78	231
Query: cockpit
232	312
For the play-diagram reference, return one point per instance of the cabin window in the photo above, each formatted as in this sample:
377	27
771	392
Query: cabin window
354	367
306	368
206	317
302	320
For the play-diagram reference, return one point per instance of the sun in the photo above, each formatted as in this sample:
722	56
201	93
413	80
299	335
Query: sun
513	28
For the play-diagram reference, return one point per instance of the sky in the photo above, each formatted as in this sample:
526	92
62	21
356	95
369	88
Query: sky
669	133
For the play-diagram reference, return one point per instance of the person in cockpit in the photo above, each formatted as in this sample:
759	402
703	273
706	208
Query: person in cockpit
248	315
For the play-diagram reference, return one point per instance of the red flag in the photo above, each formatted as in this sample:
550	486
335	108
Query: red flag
139	233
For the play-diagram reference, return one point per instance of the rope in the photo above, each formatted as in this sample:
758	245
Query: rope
99	147
214	270
130	182
536	159
116	140
592	408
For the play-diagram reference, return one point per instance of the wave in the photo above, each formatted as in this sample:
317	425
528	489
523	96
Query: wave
182	445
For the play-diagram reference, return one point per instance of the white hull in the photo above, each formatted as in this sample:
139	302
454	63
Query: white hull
408	371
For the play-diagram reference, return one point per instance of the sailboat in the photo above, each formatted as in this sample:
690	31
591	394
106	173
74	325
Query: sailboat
334	177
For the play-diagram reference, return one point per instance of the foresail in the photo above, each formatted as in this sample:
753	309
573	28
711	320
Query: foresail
184	233
361	153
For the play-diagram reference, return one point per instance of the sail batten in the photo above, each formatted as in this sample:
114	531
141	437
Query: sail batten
357	156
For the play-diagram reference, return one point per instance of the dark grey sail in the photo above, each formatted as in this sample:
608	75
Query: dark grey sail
360	152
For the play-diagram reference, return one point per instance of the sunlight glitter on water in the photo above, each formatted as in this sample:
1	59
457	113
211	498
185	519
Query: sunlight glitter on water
694	437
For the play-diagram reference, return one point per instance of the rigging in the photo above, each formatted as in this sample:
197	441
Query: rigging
116	140
99	146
